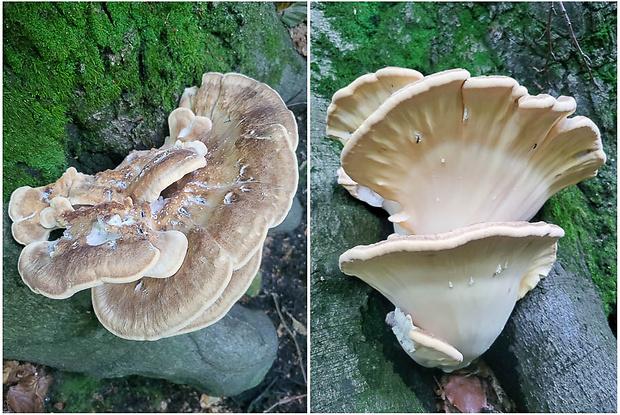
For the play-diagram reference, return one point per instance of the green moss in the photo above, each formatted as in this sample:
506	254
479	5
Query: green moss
589	241
82	394
75	390
64	62
413	34
254	288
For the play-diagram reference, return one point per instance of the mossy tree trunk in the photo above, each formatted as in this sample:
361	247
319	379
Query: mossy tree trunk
86	83
356	364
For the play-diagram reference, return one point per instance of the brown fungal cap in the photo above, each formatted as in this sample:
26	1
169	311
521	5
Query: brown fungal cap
225	208
169	239
109	242
351	105
237	105
150	309
142	175
165	167
27	203
50	216
481	146
459	286
185	126
239	283
251	165
223	197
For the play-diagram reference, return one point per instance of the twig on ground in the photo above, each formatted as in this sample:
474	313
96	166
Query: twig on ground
285	401
259	397
301	360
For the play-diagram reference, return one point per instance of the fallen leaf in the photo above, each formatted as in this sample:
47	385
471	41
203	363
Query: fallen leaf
210	402
299	35
29	393
466	393
294	13
282	5
497	399
10	368
298	327
280	330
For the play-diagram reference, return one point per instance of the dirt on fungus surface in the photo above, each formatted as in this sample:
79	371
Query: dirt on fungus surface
283	297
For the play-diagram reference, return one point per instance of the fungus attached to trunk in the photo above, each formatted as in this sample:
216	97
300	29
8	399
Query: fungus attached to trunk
458	162
141	176
366	195
240	281
27	203
169	240
151	308
457	288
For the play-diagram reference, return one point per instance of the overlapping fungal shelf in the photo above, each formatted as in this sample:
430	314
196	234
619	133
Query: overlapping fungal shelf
459	286
170	239
460	163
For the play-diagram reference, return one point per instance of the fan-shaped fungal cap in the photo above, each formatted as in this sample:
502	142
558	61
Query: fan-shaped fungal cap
239	283
459	286
150	308
27	203
238	105
539	268
110	242
50	216
453	150
142	175
366	195
185	126
225	175
358	191
225	208
351	105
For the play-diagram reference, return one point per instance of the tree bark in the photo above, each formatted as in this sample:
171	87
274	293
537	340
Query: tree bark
557	352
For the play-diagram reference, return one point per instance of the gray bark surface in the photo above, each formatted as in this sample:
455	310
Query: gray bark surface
557	352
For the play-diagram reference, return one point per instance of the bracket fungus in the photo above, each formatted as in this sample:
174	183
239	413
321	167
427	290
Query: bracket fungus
453	150
171	238
460	163
459	287
142	175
